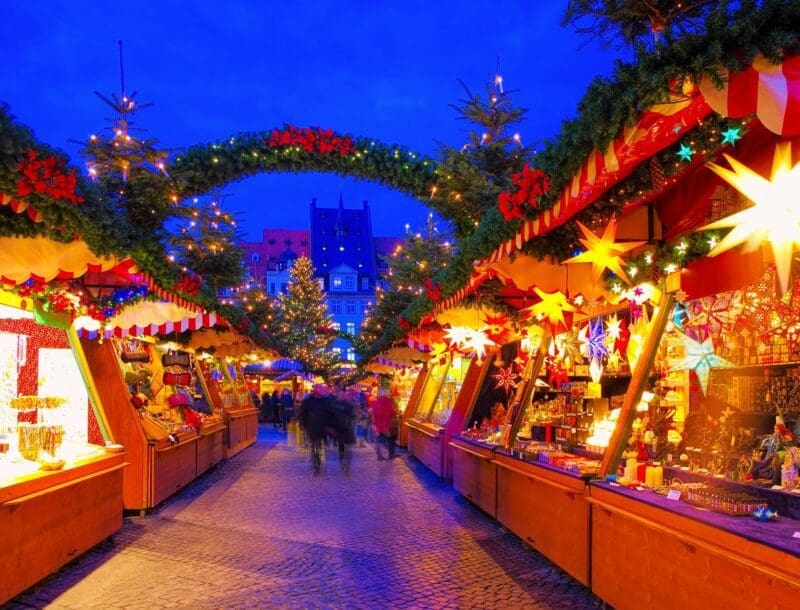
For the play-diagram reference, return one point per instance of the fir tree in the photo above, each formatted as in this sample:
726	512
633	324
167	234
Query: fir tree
304	326
206	243
128	169
639	23
482	169
412	268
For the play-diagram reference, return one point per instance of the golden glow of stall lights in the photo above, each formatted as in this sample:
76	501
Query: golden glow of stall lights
774	216
87	323
603	252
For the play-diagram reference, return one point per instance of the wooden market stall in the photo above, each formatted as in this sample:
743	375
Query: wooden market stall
681	483
158	410
224	383
60	470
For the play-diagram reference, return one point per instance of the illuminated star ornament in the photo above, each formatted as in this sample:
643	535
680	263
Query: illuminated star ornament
506	378
477	342
685	153
602	252
700	358
731	135
774	216
552	307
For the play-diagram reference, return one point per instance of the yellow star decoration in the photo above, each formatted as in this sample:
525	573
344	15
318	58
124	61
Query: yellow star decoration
774	215
552	306
602	252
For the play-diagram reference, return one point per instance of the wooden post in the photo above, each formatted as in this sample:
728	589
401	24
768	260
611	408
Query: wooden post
531	374
637	385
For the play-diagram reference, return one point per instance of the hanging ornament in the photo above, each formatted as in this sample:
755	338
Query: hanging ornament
569	344
731	135
457	335
774	216
712	316
595	370
496	328
552	307
556	374
596	340
506	378
477	342
685	153
700	358
603	252
638	333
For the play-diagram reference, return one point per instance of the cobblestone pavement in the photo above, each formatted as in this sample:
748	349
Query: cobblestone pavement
260	531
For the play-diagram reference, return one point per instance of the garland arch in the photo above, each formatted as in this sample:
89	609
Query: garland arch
205	167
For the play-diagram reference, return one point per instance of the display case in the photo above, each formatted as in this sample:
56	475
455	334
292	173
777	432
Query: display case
60	471
157	410
426	427
225	385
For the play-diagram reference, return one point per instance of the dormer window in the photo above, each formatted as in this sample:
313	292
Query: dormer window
255	258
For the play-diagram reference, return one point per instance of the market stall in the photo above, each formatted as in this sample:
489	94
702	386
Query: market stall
426	426
223	381
61	472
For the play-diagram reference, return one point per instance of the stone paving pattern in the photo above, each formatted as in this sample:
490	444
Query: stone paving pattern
260	531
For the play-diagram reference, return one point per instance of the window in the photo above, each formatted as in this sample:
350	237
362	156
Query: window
271	242
364	306
336	325
255	258
351	354
336	306
284	286
337	351
350	327
350	306
336	282
364	283
349	281
272	287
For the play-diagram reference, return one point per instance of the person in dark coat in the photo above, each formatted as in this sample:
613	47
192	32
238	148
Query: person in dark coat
313	418
287	408
275	404
343	425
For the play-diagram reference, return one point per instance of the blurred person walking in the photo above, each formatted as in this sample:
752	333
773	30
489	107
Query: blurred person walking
385	414
313	417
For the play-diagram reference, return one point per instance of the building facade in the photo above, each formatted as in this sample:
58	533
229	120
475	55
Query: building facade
347	259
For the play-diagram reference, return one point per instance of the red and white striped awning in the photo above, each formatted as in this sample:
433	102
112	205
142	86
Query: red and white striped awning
192	321
770	91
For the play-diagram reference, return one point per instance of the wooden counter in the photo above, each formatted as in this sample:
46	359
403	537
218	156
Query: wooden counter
210	446
48	519
174	466
650	552
242	426
548	509
425	442
475	474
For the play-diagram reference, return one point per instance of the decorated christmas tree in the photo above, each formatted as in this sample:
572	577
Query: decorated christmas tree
129	168
486	164
206	243
412	267
305	331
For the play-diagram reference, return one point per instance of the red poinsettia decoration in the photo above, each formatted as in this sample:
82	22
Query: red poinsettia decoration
530	185
496	328
46	177
434	291
190	283
312	140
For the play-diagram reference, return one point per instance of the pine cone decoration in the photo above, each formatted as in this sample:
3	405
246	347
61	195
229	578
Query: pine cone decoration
657	177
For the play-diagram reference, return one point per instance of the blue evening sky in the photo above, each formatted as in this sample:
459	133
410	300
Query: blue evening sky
213	69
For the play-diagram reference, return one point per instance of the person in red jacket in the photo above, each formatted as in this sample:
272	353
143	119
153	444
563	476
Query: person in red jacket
385	416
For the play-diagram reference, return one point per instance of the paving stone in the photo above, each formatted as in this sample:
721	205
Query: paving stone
259	531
